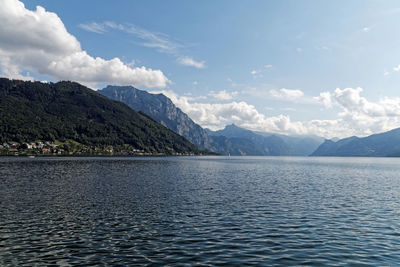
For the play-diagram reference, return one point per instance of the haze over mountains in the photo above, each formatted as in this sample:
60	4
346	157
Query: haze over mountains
273	144
376	145
232	140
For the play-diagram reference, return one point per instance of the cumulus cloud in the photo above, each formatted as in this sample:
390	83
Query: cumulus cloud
223	95
325	98
188	61
351	101
286	94
38	41
357	115
216	116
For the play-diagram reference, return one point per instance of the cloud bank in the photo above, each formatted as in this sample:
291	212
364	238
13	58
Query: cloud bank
357	115
216	116
37	41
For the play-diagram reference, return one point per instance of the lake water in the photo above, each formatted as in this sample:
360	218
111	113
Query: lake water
200	210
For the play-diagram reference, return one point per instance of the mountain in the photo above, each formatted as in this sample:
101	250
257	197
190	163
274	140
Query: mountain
273	144
232	140
269	145
163	110
31	111
235	146
376	145
160	108
302	145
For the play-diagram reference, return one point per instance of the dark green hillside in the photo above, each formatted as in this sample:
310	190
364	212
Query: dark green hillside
163	110
32	111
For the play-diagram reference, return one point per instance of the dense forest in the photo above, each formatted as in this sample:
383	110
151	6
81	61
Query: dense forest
31	111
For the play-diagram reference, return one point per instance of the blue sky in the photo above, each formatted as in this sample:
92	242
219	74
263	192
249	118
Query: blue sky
292	67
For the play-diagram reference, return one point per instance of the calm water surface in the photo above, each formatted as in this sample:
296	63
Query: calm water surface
200	211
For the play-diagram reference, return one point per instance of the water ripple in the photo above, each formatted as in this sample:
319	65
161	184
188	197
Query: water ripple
199	211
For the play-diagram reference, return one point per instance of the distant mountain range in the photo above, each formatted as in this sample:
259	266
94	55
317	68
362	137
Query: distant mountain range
272	144
232	140
31	111
376	145
70	112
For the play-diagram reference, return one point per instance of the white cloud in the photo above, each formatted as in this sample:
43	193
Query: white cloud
223	95
256	73
325	98
356	105
93	27
397	68
259	72
283	94
216	116
286	94
188	61
38	41
159	41
358	116
366	29
299	49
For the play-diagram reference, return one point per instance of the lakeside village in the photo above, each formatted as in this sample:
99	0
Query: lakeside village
72	148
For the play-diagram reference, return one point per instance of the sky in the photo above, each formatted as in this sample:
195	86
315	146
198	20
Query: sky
298	67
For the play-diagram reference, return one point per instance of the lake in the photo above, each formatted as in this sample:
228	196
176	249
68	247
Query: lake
230	211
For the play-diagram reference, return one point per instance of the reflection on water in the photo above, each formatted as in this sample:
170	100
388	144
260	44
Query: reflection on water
205	210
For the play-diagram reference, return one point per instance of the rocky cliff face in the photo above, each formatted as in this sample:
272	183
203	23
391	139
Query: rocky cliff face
232	140
161	108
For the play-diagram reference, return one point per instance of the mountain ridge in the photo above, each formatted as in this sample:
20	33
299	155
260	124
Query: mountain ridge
375	145
67	110
162	109
273	144
247	142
